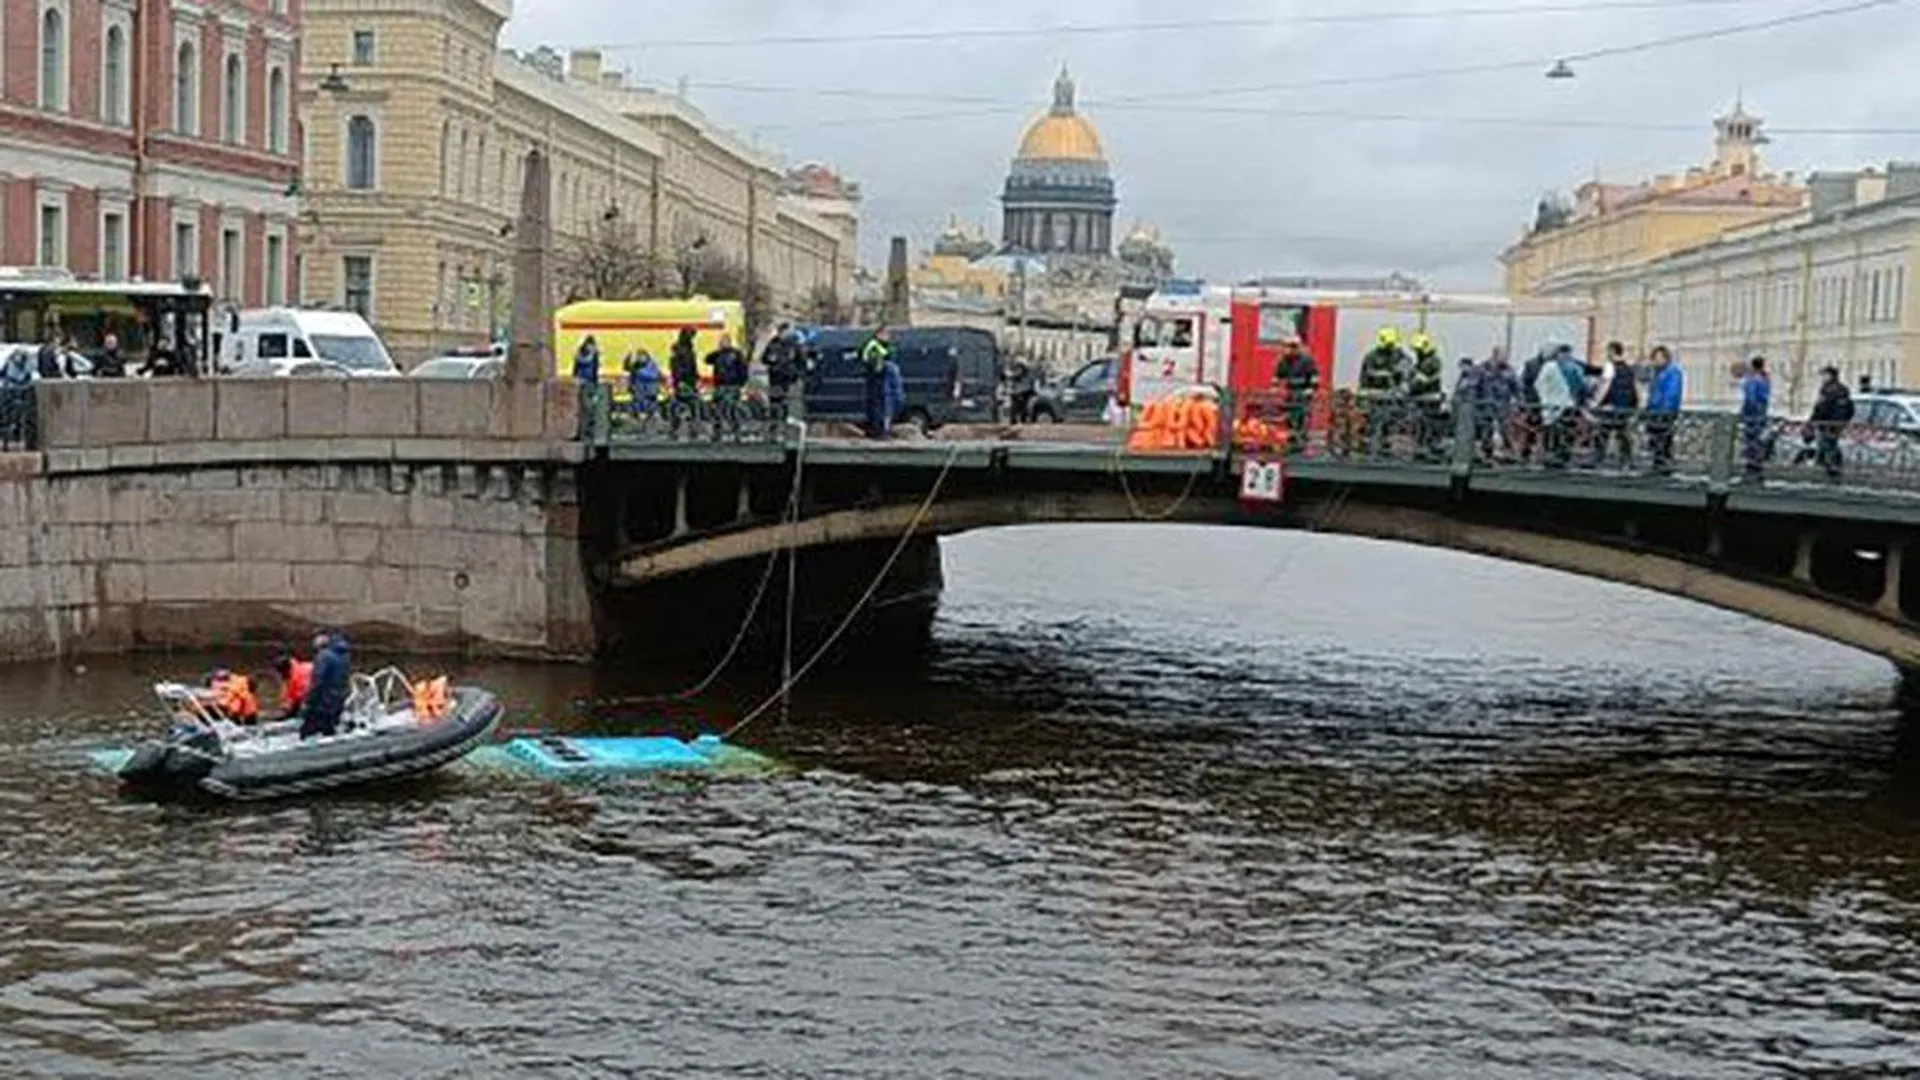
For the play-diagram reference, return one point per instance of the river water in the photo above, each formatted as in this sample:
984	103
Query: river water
1161	802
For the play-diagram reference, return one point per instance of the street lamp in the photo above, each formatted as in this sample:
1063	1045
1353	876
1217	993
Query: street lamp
1560	70
334	83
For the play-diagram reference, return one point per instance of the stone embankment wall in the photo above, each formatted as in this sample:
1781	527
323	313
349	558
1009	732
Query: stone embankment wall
413	514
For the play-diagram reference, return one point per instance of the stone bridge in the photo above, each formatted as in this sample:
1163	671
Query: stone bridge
1794	549
474	516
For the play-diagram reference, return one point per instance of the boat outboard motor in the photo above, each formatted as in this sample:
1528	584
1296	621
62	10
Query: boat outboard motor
175	763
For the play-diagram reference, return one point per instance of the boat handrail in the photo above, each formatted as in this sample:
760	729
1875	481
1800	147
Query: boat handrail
191	705
371	697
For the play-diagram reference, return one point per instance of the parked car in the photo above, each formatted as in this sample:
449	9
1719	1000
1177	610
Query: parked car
460	367
949	374
1082	399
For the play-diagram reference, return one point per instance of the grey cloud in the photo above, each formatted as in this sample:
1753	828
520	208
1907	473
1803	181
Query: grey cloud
1276	193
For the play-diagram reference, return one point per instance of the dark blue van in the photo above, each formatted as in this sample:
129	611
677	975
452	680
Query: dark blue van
951	375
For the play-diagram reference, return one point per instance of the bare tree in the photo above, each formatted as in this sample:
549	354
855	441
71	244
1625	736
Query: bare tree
722	277
824	308
609	262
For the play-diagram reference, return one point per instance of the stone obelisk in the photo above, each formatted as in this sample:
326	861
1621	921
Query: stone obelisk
530	356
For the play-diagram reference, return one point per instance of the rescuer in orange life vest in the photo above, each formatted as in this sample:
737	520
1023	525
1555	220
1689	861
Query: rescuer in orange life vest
232	694
296	675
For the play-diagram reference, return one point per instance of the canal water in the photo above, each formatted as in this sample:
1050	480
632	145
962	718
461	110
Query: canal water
1161	802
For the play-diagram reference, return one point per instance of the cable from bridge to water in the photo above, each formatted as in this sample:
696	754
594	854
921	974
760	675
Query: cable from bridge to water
789	516
789	681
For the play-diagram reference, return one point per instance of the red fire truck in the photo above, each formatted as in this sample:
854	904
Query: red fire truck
1190	334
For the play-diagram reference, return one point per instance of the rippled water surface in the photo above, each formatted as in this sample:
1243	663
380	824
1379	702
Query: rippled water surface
1163	802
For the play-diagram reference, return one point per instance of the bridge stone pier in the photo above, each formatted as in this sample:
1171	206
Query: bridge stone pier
415	514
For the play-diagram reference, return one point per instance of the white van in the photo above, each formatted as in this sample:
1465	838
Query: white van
289	341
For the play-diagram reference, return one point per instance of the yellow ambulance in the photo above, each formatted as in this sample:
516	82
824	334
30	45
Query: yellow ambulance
624	327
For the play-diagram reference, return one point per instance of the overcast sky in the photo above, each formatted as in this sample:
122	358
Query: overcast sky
1242	183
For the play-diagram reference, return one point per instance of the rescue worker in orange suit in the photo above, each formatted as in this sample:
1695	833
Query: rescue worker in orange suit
1301	377
296	675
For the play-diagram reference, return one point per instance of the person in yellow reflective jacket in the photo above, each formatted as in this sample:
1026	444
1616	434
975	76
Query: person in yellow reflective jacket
874	358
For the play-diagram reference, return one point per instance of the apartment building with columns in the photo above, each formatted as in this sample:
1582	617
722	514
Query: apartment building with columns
418	127
151	139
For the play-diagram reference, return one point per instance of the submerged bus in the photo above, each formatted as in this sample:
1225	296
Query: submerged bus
153	320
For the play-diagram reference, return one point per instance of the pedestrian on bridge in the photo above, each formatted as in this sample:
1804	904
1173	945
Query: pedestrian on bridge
1299	376
1756	406
1665	391
1426	387
643	384
1616	397
874	358
683	364
1832	412
1563	394
1497	391
730	378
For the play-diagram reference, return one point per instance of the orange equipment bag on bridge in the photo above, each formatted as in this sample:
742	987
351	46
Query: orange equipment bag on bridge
1179	421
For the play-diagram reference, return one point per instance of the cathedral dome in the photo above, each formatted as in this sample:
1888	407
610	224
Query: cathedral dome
1062	134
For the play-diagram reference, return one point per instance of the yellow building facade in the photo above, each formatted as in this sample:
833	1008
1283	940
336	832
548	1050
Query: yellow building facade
417	129
1611	228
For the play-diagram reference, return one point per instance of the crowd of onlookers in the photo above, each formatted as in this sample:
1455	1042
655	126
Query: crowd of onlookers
1568	412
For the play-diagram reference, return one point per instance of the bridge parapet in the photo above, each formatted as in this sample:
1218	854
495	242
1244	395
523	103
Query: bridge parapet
97	424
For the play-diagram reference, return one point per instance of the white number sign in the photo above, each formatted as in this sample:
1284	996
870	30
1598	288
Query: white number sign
1262	481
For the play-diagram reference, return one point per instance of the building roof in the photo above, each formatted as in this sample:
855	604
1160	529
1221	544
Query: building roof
1061	134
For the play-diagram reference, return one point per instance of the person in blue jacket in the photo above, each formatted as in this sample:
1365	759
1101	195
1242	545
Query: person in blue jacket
327	696
893	393
1666	388
1756	406
643	383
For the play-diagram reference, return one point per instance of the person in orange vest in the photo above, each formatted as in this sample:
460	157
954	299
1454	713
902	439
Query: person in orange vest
295	674
232	695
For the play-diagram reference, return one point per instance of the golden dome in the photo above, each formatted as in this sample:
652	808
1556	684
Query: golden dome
1054	137
1061	134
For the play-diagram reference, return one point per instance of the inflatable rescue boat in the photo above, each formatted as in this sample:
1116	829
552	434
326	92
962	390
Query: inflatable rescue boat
391	730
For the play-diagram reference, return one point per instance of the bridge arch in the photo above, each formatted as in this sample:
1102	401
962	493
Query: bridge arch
1781	601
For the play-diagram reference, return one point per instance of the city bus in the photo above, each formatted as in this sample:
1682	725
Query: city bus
150	318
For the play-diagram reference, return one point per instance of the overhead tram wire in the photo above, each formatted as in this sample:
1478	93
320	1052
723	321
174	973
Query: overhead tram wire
999	106
1298	18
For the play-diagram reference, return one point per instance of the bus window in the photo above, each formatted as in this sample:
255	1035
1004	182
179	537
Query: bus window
1182	337
1147	333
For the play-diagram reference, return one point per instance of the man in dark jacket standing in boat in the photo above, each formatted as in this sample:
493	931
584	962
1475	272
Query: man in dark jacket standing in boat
327	697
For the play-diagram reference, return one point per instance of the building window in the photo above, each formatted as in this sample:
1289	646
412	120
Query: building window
230	284
113	246
460	177
363	47
276	270
53	60
299	291
446	157
356	284
113	80
186	90
186	250
53	235
360	153
233	100
276	110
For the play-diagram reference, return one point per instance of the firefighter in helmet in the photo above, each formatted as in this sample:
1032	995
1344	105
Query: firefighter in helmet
1383	387
1426	387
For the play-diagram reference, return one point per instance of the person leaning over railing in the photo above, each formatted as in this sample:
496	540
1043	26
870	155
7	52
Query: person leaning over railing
1756	406
1665	391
